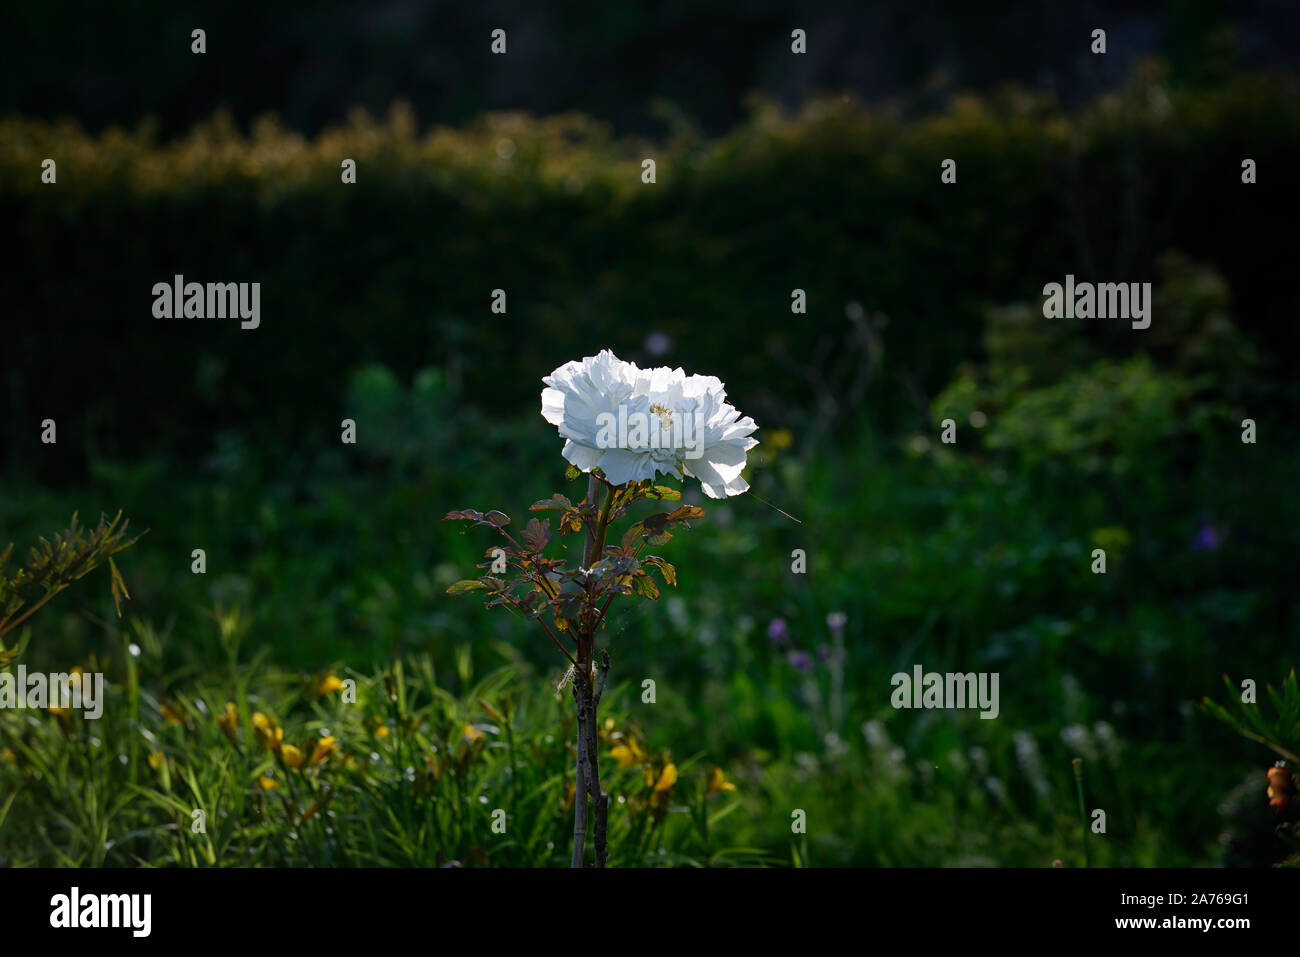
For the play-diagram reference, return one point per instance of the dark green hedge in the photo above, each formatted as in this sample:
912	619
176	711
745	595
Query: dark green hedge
841	200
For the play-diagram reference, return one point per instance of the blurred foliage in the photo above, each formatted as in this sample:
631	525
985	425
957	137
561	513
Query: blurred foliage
1057	402
841	200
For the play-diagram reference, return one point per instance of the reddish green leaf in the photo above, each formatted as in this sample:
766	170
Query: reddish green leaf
555	501
632	534
469	584
665	569
536	534
644	586
685	512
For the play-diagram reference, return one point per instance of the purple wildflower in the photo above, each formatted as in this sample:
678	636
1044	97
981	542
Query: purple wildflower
658	344
1208	538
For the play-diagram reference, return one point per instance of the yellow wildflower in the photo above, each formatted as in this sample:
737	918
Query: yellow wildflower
156	758
324	748
471	734
228	719
291	755
327	684
169	714
269	735
624	755
666	779
267	783
718	782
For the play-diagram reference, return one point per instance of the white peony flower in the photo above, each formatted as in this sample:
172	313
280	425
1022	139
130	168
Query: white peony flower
634	423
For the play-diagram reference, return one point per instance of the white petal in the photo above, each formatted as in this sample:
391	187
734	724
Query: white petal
621	466
584	457
553	406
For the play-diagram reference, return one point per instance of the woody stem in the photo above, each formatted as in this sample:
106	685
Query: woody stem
586	697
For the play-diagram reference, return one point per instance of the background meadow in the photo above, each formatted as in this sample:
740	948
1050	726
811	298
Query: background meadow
328	562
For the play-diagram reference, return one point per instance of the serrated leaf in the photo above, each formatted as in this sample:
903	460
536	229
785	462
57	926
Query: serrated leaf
497	518
468	584
665	492
572	472
555	501
644	586
536	534
686	512
668	571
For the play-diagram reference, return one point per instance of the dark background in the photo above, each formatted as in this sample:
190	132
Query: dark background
821	216
310	62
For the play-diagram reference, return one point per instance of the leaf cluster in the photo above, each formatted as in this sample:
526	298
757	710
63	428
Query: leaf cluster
566	596
54	564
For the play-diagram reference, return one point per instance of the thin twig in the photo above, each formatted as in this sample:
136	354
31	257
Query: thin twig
551	634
